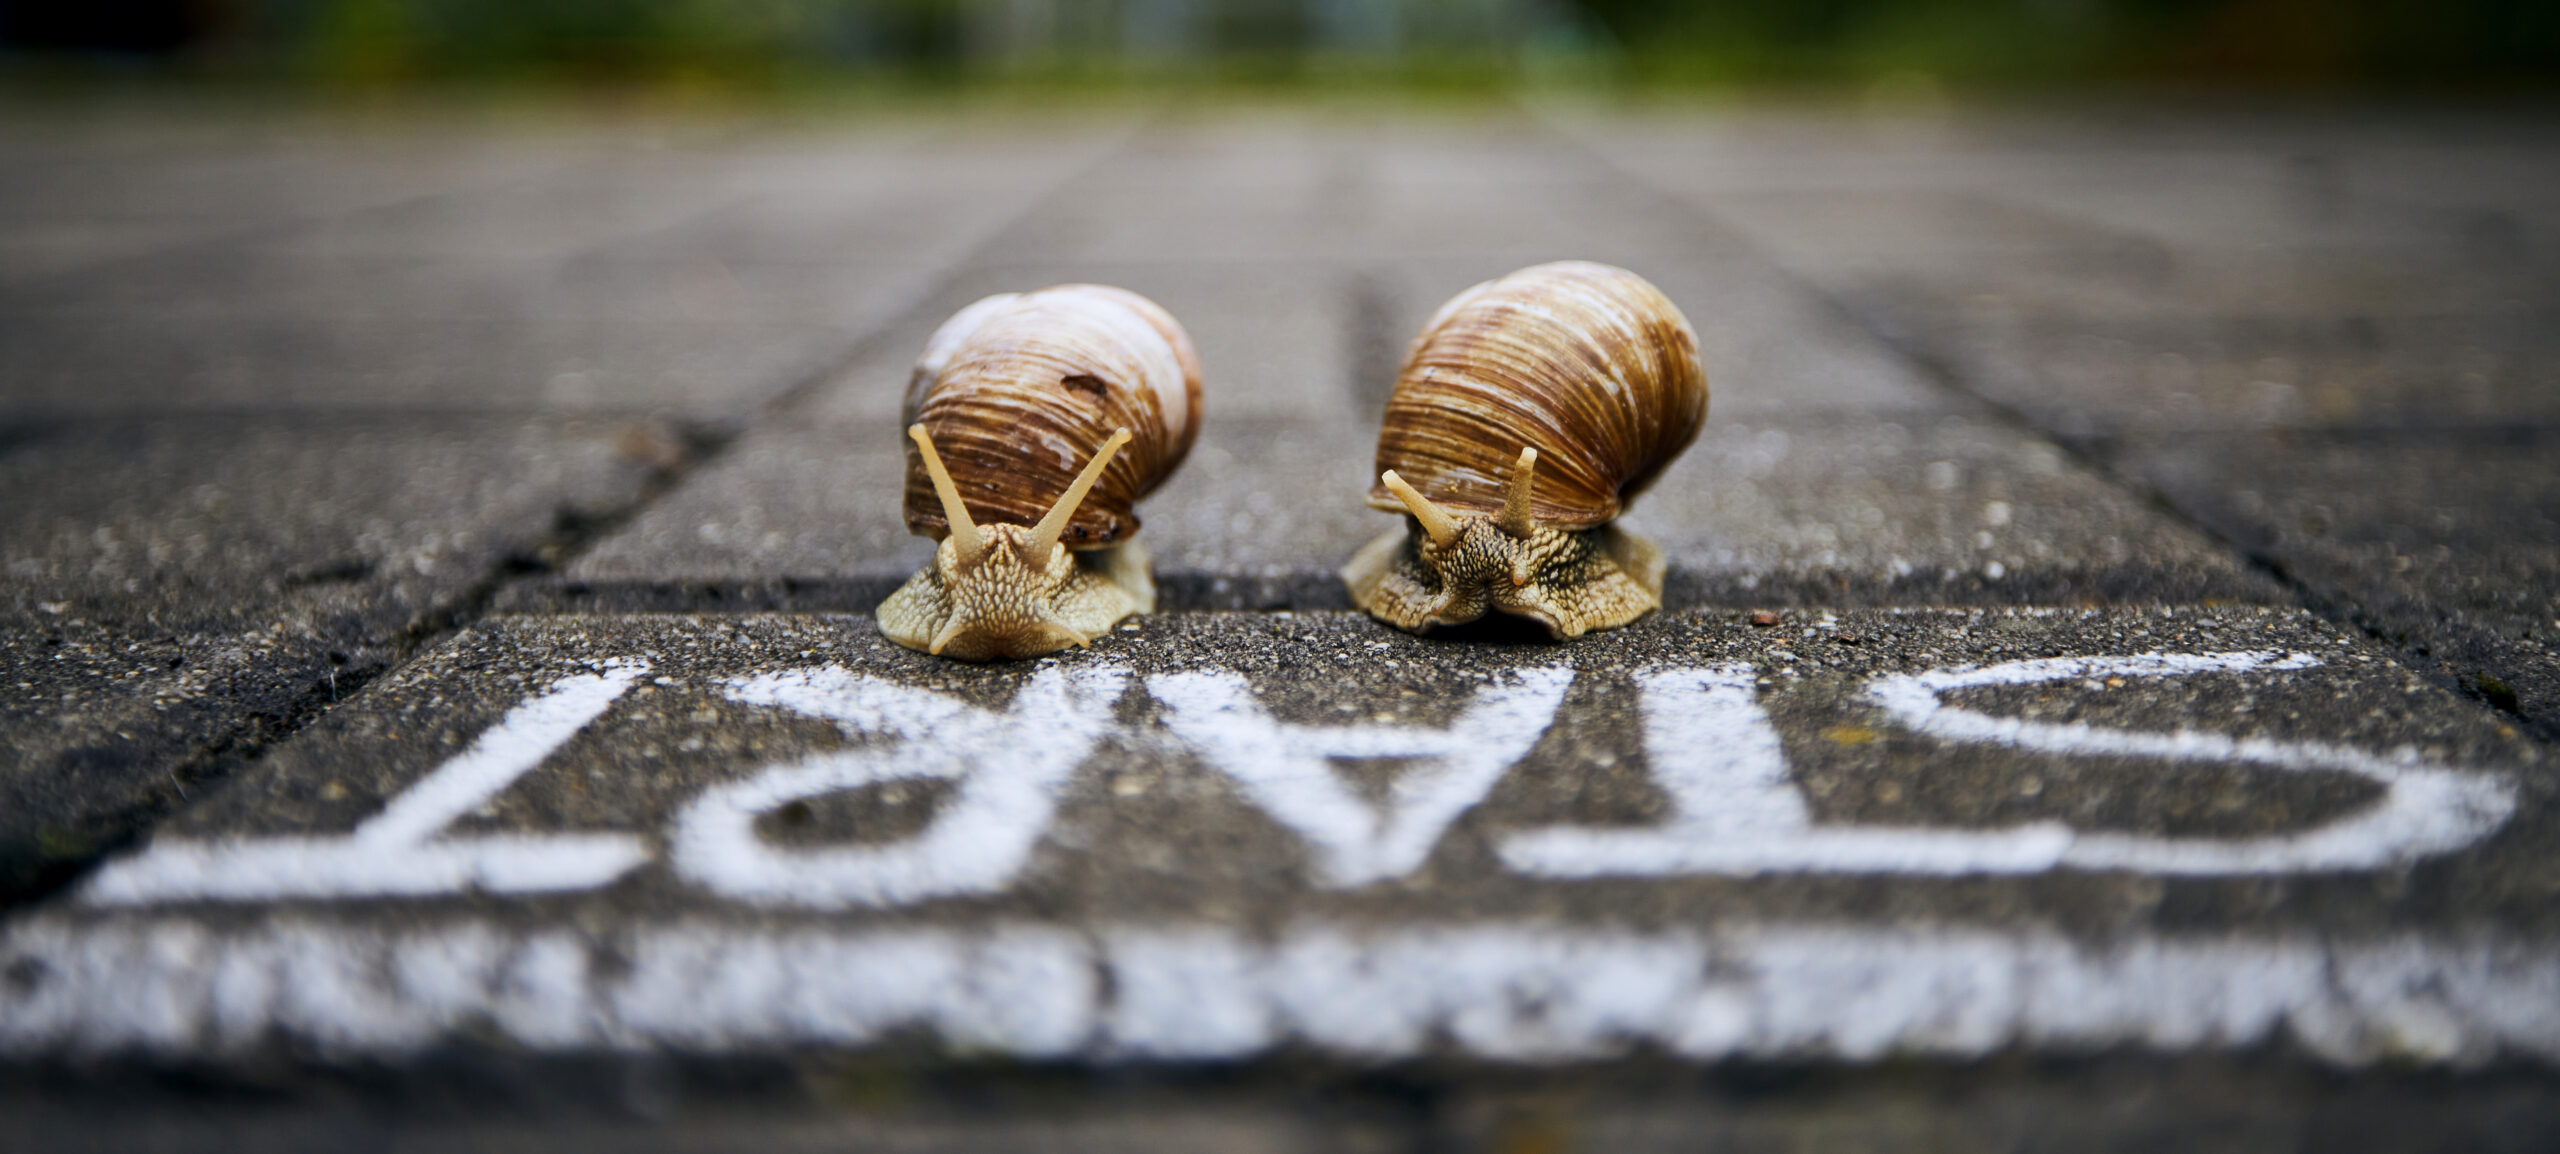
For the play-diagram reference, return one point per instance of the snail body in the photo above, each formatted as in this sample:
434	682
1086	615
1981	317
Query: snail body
1035	423
1531	410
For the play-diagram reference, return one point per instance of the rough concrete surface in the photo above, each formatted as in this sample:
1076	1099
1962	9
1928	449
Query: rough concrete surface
2104	700
2143	292
181	588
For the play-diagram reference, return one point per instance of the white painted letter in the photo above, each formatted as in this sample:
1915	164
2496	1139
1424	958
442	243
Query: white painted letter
398	851
1284	767
2425	808
1008	768
1733	810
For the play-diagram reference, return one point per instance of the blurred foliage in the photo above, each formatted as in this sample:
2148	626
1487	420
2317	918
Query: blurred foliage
1642	44
2459	43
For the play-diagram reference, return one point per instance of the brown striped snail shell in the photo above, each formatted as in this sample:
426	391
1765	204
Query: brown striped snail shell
1529	413
1036	421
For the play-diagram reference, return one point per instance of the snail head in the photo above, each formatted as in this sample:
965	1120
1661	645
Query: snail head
1462	564
1470	548
1000	586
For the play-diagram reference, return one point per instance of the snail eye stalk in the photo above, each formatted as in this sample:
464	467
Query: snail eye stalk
1045	534
1435	521
964	533
1515	519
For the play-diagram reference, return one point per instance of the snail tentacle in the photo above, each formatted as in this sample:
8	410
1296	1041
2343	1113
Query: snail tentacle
1442	527
964	532
1044	536
1515	519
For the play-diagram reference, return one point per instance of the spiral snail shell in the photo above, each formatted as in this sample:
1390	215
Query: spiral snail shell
1036	421
1528	414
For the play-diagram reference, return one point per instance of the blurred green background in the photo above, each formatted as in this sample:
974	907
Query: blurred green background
748	45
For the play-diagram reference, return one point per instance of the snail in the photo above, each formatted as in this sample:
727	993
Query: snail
1036	421
1527	415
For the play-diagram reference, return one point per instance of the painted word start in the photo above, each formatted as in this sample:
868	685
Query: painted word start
1734	809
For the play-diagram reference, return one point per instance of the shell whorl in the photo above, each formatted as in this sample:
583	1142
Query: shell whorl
1019	390
1589	364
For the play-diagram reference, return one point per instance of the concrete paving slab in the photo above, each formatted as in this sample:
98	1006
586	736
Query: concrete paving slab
2469	524
2227	177
1352	189
2449	544
1320	340
1823	509
125	185
2179	220
2087	376
1973	244
178	591
814	502
1228	204
1840	835
702	279
238	508
1951	509
115	710
2217	1108
522	361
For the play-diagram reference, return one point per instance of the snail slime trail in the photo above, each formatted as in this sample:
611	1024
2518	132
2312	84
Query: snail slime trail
1035	422
1530	412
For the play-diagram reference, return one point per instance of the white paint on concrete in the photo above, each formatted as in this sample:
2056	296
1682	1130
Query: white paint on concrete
400	851
1287	769
1018	990
1531	991
2426	808
1735	811
1734	808
1006	768
1187	992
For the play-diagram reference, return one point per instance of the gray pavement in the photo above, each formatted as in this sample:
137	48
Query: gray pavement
2327	346
2106	696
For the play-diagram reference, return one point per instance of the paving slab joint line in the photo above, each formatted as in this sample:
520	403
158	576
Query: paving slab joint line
2403	630
217	758
2086	451
249	737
